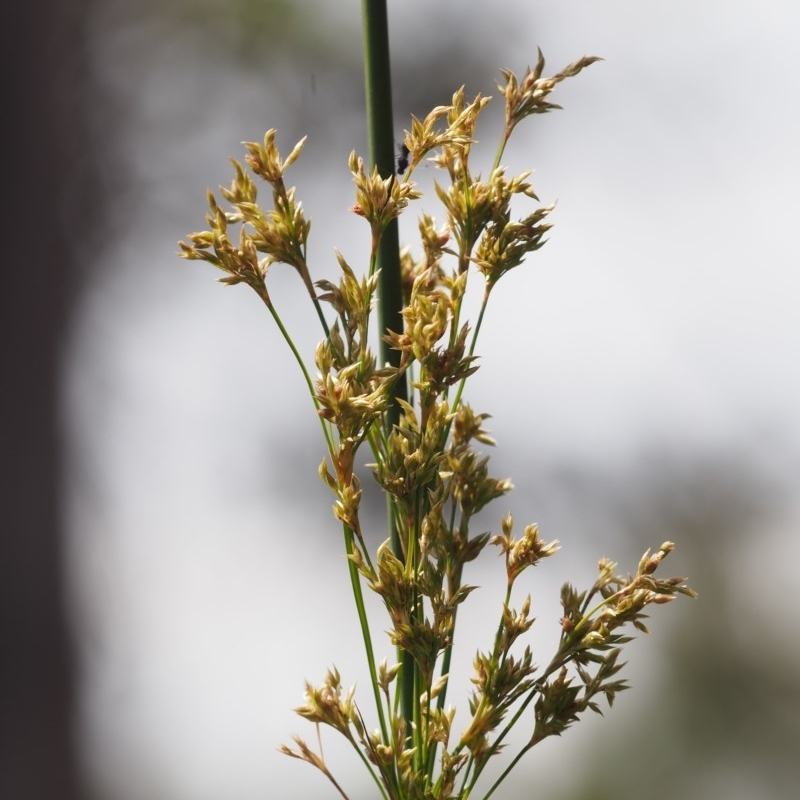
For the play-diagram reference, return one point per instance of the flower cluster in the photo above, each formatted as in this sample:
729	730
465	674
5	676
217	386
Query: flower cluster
428	458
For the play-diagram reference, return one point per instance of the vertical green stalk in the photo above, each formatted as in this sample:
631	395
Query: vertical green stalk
380	137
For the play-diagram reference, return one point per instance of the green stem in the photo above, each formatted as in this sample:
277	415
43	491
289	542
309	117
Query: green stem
309	383
365	632
380	136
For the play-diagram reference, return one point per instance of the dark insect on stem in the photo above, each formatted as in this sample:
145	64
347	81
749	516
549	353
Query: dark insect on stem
402	158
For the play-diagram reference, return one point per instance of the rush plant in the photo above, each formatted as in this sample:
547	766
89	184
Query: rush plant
405	410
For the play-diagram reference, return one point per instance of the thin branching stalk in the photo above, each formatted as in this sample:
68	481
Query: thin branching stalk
366	634
326	431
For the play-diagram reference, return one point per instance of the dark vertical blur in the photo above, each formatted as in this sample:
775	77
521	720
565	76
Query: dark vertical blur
46	183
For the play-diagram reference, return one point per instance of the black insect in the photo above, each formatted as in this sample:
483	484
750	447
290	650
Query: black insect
402	158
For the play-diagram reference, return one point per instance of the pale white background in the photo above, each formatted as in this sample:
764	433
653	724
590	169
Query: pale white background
207	575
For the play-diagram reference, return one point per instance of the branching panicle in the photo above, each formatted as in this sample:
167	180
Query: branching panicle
430	463
530	95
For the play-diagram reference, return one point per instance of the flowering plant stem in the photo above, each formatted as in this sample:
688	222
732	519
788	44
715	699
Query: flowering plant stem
407	405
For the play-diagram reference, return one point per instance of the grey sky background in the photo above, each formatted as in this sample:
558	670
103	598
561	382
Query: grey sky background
661	317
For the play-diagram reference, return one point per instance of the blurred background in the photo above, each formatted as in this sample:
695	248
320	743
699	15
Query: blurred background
172	572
